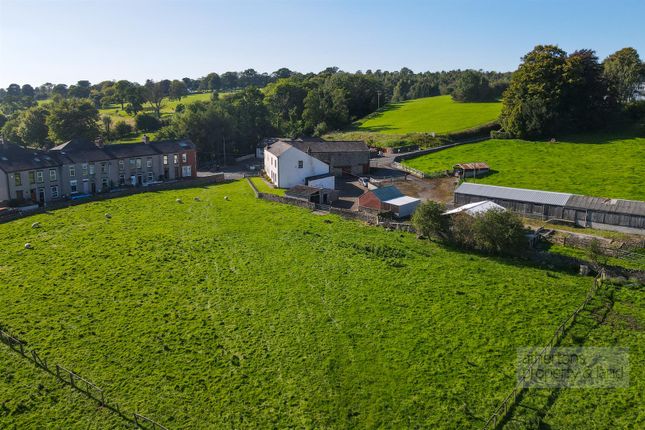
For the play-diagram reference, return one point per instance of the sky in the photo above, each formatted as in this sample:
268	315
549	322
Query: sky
63	41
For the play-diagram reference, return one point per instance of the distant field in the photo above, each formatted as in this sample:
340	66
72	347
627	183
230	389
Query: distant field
243	313
431	114
602	166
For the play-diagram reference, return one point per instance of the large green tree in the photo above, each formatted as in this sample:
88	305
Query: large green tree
471	86
623	70
72	118
32	128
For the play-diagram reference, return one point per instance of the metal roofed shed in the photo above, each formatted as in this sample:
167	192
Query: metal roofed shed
403	206
476	208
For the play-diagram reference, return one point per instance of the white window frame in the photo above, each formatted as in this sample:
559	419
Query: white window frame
84	168
52	174
54	191
151	177
72	171
301	164
92	168
73	186
17	179
139	164
184	157
40	177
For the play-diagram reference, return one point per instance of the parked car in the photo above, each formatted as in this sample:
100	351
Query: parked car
364	181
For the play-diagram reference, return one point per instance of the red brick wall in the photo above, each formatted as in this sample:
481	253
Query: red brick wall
369	200
191	157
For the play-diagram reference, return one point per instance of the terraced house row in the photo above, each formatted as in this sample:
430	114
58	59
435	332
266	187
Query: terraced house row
81	167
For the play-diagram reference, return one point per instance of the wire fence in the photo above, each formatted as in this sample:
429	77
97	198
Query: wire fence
510	400
77	382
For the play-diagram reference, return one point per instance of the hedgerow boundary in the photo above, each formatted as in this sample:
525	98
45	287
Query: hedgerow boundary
77	382
498	418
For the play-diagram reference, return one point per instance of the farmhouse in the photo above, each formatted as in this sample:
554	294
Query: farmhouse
289	162
389	199
594	212
84	167
471	170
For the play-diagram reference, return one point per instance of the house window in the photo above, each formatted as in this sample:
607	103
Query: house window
121	165
185	171
92	169
138	163
72	171
121	179
132	162
175	159
54	191
103	168
150	177
17	179
52	174
149	163
105	184
84	167
184	157
32	177
73	186
300	164
39	177
165	160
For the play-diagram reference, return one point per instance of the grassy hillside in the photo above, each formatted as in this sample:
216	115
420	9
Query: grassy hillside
604	166
243	313
431	114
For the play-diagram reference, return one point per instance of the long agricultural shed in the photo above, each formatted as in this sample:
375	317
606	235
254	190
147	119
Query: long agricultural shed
594	212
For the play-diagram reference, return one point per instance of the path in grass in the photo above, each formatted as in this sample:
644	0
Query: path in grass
431	114
250	314
603	167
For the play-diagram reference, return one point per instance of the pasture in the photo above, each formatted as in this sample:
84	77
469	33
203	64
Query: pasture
243	313
438	114
597	165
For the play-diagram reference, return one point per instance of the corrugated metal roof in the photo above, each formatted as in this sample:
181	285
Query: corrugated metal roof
476	208
630	207
400	201
472	166
387	193
516	194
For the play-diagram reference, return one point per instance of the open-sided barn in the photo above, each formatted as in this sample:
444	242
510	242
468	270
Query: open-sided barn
595	212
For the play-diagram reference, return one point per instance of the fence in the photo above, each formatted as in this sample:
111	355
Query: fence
510	401
415	154
77	382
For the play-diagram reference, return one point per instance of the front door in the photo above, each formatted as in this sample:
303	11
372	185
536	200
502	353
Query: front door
41	195
93	188
86	186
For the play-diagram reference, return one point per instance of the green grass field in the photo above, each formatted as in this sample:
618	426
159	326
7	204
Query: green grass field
243	313
603	166
431	114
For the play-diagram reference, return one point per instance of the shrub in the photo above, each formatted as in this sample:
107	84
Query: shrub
146	122
499	232
122	129
500	134
429	221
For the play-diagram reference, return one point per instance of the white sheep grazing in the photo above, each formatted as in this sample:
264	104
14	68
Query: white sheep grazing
28	246
35	225
197	199
178	201
108	216
226	198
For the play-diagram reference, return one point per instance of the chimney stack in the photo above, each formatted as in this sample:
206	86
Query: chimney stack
145	139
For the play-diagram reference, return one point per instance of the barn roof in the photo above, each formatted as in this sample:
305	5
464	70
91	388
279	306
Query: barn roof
402	201
476	208
387	193
330	146
472	166
628	207
516	194
278	148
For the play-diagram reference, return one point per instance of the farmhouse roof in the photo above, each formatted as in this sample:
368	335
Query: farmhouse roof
126	150
476	208
171	146
278	148
389	192
472	166
628	207
81	150
317	146
516	194
15	158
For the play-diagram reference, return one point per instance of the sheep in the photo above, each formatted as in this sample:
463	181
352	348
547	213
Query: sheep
197	199
28	246
178	201
108	216
35	225
226	198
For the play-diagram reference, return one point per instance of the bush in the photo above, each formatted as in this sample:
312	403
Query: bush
499	232
122	129
500	134
146	122
429	221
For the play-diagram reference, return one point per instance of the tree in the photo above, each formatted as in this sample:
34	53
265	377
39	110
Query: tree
471	86
27	90
229	81
285	102
177	90
107	122
32	128
122	129
429	221
499	232
325	110
623	70
72	118
146	122
251	118
81	90
532	104
154	94
135	97
211	82
13	90
121	91
584	103
60	90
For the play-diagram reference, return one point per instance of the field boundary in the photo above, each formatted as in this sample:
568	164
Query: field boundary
77	382
509	402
